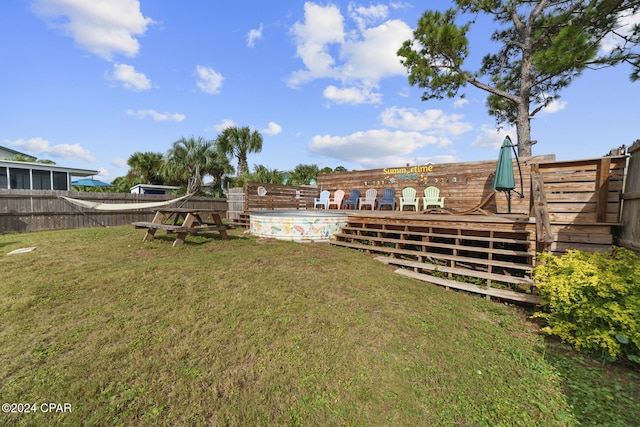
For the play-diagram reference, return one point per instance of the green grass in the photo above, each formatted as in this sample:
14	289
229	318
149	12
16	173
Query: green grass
255	332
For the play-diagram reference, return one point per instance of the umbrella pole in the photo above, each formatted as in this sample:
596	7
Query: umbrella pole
509	201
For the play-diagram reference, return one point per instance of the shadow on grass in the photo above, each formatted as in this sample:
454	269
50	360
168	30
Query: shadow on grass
8	243
199	240
593	388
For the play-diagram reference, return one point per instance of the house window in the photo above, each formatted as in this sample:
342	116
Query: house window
41	179
4	181
60	181
19	179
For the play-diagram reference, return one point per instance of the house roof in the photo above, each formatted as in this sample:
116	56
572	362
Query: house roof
14	152
155	187
47	167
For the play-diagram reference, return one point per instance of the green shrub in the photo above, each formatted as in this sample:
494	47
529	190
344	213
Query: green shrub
592	301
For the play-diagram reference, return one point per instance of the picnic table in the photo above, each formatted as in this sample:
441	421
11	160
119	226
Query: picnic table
184	221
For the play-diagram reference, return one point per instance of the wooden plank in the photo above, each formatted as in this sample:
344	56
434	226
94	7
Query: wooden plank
540	209
434	255
492	292
158	226
602	188
427	244
453	270
524	241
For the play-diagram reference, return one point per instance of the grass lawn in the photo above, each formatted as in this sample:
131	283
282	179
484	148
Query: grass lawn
259	333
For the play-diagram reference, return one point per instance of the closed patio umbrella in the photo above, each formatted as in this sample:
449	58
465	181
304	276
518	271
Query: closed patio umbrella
504	180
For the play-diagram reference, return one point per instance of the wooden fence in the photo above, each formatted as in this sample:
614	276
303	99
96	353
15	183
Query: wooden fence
463	185
36	210
582	201
235	201
261	196
630	217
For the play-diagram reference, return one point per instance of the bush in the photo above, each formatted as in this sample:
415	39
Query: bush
592	301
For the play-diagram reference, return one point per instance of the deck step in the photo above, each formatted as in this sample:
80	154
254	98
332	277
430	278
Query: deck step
491	292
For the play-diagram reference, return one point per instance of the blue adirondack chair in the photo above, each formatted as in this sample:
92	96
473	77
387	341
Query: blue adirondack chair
388	199
354	195
323	200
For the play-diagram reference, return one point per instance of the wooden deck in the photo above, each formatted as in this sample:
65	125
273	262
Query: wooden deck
494	255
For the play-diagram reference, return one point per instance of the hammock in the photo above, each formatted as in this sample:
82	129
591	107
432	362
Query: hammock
121	206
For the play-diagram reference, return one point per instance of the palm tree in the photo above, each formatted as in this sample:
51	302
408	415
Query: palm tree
303	174
147	166
189	160
221	167
238	142
262	173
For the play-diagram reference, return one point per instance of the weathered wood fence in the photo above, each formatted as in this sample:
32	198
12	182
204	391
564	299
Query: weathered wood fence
582	202
36	210
235	201
261	196
630	217
463	185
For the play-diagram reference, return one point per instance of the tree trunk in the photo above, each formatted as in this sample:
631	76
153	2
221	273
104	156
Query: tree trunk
523	121
523	131
243	166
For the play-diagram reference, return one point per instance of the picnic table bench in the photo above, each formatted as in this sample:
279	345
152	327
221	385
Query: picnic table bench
183	221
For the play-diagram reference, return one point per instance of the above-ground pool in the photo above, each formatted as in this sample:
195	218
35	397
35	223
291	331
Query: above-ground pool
297	225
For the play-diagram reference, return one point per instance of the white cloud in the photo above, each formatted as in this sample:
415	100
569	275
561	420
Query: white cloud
366	16
352	95
554	106
432	121
103	175
272	129
119	163
129	77
492	137
625	28
358	56
159	117
226	123
373	55
460	102
322	27
209	80
41	147
103	27
372	147
253	35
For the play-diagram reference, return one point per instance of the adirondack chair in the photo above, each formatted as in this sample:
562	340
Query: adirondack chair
336	200
431	198
409	198
388	199
369	198
354	195
323	200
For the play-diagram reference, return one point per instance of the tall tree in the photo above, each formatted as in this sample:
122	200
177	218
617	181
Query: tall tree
189	160
148	166
238	142
545	44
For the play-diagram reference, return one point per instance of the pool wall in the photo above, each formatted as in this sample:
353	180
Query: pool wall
297	225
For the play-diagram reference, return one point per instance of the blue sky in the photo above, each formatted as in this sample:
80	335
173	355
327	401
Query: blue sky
86	83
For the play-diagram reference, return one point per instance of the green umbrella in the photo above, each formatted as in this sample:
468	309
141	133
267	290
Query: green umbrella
504	180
